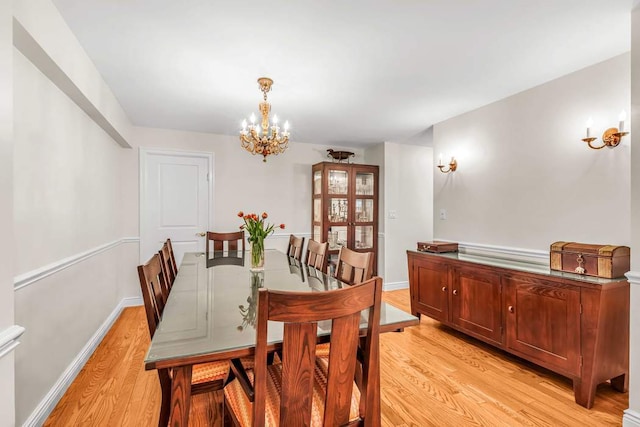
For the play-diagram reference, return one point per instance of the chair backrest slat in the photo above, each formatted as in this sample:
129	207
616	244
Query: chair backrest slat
167	268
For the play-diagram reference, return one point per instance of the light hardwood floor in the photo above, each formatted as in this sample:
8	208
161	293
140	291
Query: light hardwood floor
430	376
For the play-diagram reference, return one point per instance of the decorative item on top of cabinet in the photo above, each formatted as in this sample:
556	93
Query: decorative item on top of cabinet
340	156
574	325
437	247
592	260
345	208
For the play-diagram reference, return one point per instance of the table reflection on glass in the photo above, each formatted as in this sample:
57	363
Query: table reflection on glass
211	312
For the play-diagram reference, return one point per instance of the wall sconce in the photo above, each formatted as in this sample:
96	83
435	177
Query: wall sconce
611	137
453	165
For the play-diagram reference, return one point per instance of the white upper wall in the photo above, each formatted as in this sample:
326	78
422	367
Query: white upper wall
525	179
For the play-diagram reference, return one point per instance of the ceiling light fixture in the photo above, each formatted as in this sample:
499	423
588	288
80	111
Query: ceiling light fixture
264	139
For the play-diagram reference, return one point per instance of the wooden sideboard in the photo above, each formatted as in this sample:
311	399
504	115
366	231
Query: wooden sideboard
574	325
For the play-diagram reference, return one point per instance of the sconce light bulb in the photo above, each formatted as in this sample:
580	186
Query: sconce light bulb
623	116
589	122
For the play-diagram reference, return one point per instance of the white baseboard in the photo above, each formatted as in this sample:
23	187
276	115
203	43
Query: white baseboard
51	399
395	286
631	418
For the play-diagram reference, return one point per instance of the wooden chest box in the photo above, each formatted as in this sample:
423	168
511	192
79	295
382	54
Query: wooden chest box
592	260
437	247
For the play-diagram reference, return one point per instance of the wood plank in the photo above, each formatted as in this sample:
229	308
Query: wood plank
430	375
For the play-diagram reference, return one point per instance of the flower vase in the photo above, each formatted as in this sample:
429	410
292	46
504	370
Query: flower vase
257	255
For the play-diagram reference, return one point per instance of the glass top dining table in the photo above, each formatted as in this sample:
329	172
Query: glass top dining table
211	311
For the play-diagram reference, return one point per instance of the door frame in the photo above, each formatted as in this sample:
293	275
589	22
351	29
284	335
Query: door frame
143	154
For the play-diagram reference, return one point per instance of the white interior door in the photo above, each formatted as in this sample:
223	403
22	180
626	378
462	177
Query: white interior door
175	201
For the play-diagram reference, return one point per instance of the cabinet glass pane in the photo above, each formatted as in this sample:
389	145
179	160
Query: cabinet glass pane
337	237
317	210
364	210
317	182
338	182
317	233
364	237
364	184
337	210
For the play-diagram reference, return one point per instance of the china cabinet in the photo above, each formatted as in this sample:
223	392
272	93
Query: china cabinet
344	210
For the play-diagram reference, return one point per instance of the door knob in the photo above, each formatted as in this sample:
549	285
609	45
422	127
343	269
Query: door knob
455	292
510	309
444	289
201	234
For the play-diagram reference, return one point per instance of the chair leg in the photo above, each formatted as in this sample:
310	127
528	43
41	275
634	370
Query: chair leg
165	406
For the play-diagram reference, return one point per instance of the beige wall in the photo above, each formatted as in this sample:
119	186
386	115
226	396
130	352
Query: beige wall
6	210
408	189
634	356
525	179
67	196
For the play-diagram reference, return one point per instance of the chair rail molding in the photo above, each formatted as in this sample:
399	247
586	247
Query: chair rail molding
503	252
33	276
9	339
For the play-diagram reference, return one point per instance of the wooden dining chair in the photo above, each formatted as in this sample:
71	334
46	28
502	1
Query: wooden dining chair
303	389
206	376
224	241
354	267
294	249
317	255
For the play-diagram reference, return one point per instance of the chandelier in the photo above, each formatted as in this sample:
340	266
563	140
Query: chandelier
264	139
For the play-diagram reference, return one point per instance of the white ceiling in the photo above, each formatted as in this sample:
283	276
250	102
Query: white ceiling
349	73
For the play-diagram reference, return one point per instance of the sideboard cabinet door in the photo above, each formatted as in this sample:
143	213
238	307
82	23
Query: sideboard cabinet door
543	323
429	282
476	304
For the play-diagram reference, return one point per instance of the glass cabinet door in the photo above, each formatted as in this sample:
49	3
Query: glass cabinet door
364	210
364	236
364	184
338	209
338	182
317	182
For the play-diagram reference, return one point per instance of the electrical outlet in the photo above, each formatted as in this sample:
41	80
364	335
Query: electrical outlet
443	214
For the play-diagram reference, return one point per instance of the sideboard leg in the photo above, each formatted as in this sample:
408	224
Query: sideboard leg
584	392
620	383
